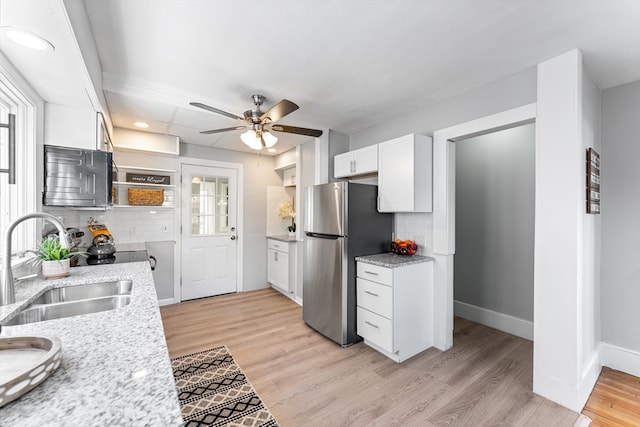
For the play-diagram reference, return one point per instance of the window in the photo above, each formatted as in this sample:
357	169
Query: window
209	205
21	197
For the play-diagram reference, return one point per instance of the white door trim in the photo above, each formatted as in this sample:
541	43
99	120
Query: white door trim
444	219
240	215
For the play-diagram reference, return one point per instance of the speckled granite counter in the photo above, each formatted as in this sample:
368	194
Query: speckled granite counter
283	238
389	260
115	366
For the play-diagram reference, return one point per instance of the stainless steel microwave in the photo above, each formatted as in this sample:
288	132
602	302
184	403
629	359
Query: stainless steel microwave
77	178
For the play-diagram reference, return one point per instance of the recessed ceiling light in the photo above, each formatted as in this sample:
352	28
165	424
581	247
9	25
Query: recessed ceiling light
142	125
271	150
28	39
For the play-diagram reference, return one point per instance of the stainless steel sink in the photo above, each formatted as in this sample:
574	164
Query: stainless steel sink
81	292
38	313
75	300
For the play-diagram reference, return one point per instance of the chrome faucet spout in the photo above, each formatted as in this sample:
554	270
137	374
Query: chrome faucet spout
7	291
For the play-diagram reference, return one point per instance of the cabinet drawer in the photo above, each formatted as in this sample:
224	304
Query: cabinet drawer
375	273
277	245
375	329
375	297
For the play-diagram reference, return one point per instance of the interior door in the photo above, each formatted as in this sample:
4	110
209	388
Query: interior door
209	236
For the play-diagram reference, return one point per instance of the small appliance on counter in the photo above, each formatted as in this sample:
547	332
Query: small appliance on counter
102	250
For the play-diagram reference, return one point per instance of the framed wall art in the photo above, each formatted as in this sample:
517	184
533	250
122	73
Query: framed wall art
593	181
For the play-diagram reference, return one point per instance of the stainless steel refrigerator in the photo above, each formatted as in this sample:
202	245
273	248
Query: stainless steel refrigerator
341	222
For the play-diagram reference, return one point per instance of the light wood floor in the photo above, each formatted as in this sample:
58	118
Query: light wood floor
615	400
307	380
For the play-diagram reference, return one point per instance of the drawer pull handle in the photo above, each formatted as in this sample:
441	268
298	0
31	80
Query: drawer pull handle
372	324
371	293
371	272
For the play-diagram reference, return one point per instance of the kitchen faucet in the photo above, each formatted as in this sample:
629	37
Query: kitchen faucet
7	291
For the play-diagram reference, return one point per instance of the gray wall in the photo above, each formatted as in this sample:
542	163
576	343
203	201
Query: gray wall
620	184
258	174
493	265
511	92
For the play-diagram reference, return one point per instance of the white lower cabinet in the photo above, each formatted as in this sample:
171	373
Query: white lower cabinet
281	265
395	308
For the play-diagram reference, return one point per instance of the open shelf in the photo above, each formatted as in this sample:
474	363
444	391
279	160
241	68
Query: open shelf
139	168
142	184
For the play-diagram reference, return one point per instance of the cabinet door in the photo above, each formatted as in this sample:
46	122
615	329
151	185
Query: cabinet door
366	160
272	267
278	269
405	174
343	165
70	127
283	270
395	176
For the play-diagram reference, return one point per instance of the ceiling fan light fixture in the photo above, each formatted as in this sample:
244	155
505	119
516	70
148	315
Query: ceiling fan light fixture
250	138
269	139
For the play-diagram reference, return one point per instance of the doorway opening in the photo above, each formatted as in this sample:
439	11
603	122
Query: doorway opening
494	221
444	209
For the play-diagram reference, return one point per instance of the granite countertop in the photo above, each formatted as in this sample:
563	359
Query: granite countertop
390	260
283	238
115	365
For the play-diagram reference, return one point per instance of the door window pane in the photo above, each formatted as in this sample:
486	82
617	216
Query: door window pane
209	205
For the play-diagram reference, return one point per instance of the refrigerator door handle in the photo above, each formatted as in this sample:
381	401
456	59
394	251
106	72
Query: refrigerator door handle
321	235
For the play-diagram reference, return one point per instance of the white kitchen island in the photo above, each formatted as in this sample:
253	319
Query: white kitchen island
115	365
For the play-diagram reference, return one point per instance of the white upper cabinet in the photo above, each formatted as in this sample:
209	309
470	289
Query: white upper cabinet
75	127
405	174
357	162
128	139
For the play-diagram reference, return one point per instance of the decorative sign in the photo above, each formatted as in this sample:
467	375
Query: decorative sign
148	179
593	181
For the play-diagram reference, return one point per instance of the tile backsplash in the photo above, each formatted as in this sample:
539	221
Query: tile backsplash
127	225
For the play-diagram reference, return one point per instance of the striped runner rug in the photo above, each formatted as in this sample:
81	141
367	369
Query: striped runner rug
213	391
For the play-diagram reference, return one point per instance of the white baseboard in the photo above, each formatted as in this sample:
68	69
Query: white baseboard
503	322
620	359
166	301
582	421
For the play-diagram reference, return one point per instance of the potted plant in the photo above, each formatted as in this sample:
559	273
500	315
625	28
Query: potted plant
55	259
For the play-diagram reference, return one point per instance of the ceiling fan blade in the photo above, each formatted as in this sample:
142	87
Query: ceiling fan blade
279	110
297	130
208	132
215	110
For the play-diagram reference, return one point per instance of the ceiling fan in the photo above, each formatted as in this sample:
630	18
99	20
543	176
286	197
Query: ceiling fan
259	122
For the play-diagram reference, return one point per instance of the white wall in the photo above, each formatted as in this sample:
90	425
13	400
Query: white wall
493	267
566	361
259	173
620	294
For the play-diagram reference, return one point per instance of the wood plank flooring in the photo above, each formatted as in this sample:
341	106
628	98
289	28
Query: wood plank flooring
307	380
615	400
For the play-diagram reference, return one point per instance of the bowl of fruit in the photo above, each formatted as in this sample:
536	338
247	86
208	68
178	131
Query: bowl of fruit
404	247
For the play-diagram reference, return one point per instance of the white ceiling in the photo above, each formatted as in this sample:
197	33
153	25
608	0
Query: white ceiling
349	65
